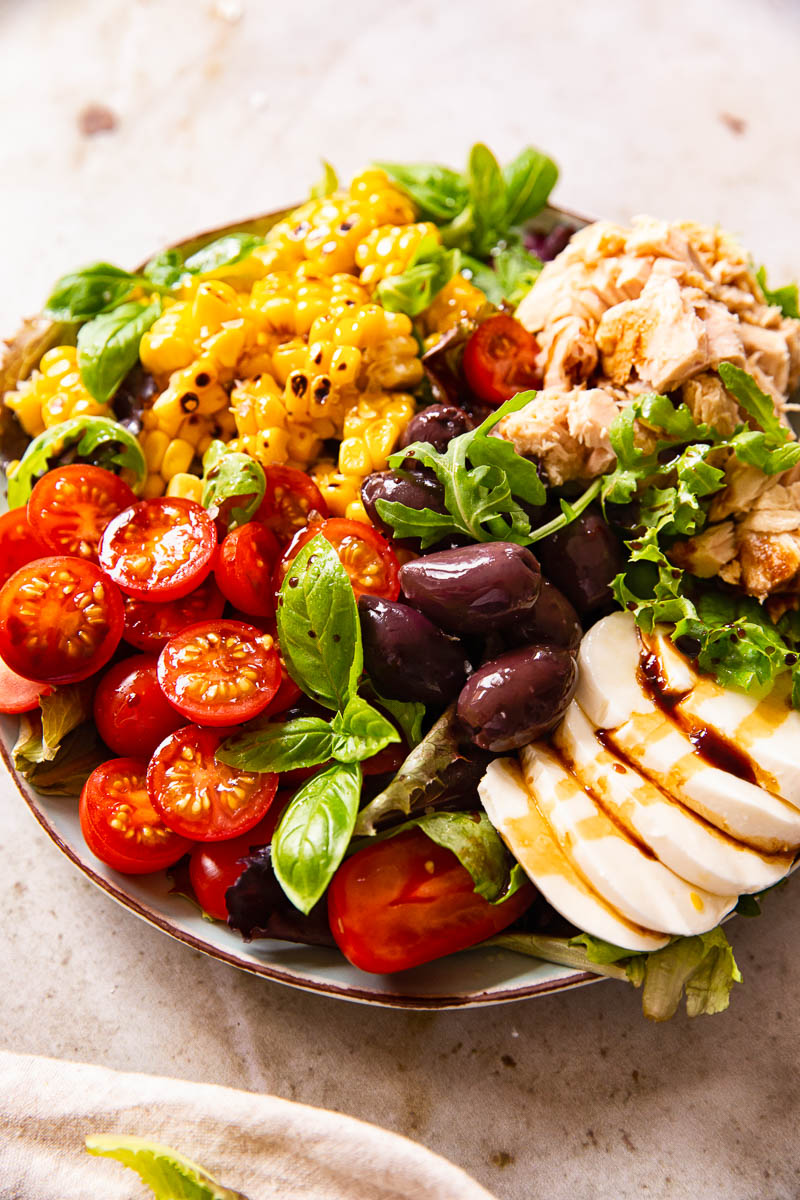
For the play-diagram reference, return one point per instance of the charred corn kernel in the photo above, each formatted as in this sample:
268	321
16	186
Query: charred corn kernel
389	249
288	357
380	439
303	445
376	406
344	365
394	363
458	300
154	445
213	323
339	491
153	487
354	457
388	205
270	446
296	396
188	487
213	304
53	393
168	344
177	459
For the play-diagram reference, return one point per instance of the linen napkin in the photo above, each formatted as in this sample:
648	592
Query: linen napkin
259	1145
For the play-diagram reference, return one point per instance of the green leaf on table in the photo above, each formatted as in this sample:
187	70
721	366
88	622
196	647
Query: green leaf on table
282	746
318	629
81	295
169	1175
100	440
360	731
108	346
233	484
314	832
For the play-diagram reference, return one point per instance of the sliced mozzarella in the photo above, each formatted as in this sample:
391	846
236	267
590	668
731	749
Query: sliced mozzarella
687	845
676	675
608	684
628	878
514	814
747	812
766	731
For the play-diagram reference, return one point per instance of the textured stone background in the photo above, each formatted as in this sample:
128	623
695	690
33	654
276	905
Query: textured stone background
680	109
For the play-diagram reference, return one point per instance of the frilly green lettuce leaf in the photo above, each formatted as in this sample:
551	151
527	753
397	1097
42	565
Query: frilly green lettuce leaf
702	968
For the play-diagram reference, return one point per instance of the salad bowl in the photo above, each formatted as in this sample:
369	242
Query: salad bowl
486	975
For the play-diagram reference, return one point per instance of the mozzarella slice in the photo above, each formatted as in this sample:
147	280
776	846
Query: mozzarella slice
608	688
765	730
676	674
687	845
640	887
747	812
515	816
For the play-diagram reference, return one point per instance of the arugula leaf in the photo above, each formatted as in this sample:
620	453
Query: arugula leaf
327	185
81	295
756	403
785	297
167	1173
318	627
431	267
304	742
108	346
224	251
481	477
313	833
233	484
92	438
360	731
529	178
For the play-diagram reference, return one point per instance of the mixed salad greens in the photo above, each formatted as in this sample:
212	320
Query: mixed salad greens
316	698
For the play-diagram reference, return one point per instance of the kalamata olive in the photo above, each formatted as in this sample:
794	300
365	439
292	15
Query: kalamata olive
582	560
552	621
415	489
475	588
518	697
406	656
437	424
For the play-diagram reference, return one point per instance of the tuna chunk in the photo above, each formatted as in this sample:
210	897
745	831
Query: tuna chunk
565	431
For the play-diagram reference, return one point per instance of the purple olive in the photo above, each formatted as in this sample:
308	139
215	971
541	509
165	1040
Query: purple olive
415	489
406	656
582	560
552	621
518	697
473	589
437	424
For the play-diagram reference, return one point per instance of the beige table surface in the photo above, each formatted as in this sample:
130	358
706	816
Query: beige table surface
680	109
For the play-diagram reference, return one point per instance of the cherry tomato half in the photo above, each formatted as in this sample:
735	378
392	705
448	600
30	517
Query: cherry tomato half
245	564
19	545
159	549
19	695
406	901
149	626
202	798
215	866
70	507
131	712
60	620
363	552
220	672
290	498
500	360
120	825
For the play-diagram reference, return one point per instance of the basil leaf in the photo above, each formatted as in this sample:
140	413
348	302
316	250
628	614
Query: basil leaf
529	178
223	252
318	627
304	742
487	190
327	185
81	295
477	846
99	439
412	292
756	403
233	484
785	297
409	715
314	832
108	346
360	731
438	192
166	269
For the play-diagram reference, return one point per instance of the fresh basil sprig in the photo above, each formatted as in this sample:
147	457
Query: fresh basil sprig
81	295
430	269
108	346
99	440
484	480
233	484
481	208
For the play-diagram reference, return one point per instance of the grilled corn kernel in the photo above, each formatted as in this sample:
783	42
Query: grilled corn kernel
389	249
177	459
153	487
188	487
154	445
339	491
458	300
53	393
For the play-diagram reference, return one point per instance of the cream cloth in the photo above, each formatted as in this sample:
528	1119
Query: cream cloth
259	1145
